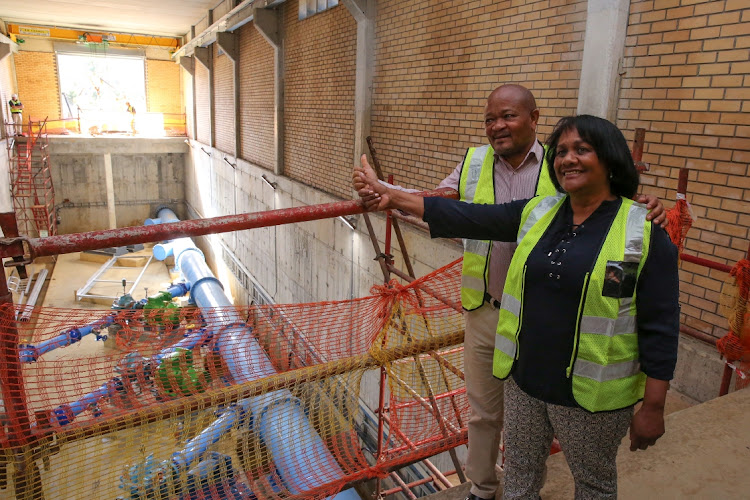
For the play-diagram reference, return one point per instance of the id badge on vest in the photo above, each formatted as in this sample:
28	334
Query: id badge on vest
619	279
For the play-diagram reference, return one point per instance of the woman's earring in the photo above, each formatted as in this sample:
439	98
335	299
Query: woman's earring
610	176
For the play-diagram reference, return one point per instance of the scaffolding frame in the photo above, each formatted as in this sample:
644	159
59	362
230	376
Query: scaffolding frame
32	191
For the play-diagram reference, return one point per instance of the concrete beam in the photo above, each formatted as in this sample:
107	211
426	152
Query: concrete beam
188	64
269	23
357	8
603	48
229	43
110	186
363	11
241	14
5	50
203	56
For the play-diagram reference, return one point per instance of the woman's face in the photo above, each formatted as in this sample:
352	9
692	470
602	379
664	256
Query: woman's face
578	168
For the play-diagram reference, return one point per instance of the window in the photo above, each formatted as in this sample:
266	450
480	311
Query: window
101	82
103	89
308	8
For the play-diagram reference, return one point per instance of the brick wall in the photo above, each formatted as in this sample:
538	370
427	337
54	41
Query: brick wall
224	101
436	63
256	67
202	107
320	54
687	82
164	87
38	86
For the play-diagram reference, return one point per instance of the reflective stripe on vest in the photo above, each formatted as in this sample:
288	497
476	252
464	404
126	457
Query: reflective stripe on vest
605	369
477	185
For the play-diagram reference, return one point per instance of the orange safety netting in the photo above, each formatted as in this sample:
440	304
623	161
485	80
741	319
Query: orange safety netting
735	345
679	222
245	402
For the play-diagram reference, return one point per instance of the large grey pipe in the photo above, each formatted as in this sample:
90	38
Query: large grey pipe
300	455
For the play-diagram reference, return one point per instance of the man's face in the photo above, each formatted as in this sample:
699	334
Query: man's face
510	126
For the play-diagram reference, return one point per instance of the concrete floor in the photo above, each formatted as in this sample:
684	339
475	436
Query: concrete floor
704	454
72	271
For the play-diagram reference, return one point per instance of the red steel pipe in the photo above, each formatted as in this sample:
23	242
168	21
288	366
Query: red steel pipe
682	181
94	240
412	484
705	262
11	376
698	335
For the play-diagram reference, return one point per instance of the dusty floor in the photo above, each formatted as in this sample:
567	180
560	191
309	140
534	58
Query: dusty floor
703	455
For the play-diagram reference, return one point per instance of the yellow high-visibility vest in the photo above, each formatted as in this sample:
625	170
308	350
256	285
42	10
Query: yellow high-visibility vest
604	363
477	185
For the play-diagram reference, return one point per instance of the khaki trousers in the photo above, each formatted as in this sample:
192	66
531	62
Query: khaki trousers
485	395
18	122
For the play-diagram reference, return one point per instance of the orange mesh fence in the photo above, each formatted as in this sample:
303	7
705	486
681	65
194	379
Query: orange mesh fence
735	345
679	222
245	402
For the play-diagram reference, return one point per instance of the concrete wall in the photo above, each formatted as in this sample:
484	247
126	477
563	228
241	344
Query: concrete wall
303	262
145	174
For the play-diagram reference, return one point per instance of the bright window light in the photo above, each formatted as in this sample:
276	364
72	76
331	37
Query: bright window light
98	88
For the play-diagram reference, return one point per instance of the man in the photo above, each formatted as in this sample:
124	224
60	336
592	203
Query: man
511	167
16	111
131	110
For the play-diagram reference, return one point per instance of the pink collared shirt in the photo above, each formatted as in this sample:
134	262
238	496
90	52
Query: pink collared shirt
510	185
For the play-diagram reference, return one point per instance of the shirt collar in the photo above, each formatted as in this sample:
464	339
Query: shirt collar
534	157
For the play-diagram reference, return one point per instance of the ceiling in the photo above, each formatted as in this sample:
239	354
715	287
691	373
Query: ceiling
146	17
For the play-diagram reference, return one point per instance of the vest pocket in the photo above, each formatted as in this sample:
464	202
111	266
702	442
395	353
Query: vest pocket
619	279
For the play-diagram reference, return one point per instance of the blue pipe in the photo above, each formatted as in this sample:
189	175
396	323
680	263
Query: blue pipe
198	337
304	462
178	289
197	446
29	353
64	414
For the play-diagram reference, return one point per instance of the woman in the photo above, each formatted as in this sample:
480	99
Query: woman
589	318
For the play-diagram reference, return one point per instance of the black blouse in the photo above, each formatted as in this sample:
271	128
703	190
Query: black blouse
556	268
